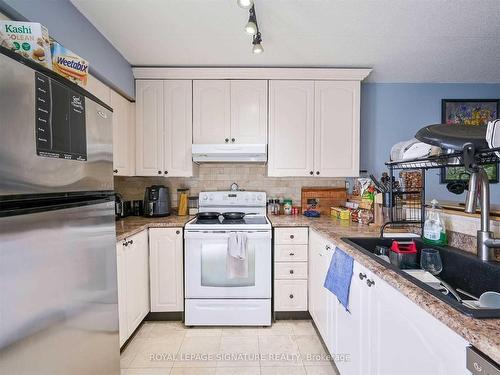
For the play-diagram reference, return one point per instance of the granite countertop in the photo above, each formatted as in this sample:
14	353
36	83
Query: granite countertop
134	224
484	334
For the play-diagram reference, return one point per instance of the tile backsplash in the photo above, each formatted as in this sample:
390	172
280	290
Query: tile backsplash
220	177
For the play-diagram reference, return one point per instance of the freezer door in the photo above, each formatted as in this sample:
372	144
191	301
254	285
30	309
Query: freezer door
27	119
58	292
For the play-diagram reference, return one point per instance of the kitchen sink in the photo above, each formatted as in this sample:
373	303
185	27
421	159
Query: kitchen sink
460	270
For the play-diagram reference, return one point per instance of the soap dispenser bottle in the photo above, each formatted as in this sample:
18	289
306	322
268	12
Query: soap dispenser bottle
434	228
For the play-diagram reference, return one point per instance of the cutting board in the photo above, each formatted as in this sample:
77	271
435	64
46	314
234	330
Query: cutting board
327	197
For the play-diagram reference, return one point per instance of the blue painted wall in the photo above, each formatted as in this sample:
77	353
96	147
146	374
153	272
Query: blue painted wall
70	28
391	113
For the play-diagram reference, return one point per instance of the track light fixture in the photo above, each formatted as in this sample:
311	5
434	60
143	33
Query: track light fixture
252	27
245	4
257	47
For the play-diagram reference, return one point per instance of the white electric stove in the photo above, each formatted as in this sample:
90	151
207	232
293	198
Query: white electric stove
212	296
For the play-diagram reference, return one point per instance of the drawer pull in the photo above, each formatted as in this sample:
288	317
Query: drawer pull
370	282
362	275
292	236
291	272
291	296
177	232
292	254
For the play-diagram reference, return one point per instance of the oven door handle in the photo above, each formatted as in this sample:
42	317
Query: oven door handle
225	234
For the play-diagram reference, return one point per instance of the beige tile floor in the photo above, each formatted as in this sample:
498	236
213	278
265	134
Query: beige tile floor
289	347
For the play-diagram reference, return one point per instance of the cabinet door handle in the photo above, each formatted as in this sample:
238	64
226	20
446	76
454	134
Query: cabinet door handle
115	170
159	172
362	275
370	282
292	254
327	247
177	232
227	140
311	173
292	236
291	272
131	242
291	296
166	172
317	172
125	243
233	140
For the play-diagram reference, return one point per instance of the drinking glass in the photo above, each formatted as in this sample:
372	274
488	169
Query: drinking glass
430	260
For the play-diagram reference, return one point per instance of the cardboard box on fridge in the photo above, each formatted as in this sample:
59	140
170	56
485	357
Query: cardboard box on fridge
29	39
68	64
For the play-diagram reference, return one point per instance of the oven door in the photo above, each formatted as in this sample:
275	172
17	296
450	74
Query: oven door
206	270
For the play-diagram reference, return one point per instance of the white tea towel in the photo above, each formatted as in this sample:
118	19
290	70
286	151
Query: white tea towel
237	259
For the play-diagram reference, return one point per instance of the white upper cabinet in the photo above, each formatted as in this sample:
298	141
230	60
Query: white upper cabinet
291	128
314	128
230	111
149	126
164	128
249	112
211	111
336	131
123	135
178	130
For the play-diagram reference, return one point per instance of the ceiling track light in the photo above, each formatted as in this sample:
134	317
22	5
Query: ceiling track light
257	47
252	27
245	4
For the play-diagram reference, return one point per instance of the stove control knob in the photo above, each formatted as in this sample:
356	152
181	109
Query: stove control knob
259	197
204	197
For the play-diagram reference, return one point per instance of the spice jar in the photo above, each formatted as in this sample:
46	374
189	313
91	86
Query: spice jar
287	206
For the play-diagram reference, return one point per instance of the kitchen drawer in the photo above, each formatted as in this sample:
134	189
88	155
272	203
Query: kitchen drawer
290	270
291	236
290	295
290	253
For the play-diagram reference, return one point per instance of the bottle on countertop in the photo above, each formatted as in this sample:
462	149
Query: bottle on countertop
434	228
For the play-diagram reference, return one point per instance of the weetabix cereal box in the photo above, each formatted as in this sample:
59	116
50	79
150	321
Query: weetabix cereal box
29	39
68	64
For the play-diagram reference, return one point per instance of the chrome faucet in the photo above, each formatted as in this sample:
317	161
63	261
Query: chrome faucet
479	184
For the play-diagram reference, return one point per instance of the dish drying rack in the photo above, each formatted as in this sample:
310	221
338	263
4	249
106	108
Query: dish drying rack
407	207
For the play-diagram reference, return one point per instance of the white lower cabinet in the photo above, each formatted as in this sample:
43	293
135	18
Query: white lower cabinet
290	269
166	264
384	333
133	282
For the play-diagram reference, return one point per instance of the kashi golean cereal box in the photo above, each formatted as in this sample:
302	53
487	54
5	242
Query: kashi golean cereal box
29	39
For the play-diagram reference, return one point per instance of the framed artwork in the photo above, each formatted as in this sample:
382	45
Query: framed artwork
470	112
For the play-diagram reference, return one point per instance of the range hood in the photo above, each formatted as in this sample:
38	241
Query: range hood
229	153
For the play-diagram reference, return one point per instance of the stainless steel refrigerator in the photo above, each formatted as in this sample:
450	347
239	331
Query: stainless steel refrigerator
58	287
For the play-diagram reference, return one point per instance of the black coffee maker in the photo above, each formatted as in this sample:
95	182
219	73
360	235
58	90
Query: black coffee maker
156	201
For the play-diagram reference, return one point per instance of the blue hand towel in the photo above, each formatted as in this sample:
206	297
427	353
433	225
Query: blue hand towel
339	275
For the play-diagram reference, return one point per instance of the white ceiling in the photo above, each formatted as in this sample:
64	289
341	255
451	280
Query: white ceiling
402	40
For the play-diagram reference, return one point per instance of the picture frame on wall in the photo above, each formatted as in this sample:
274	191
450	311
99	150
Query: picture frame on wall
470	112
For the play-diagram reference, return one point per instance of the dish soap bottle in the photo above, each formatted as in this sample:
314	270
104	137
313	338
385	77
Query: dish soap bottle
434	229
